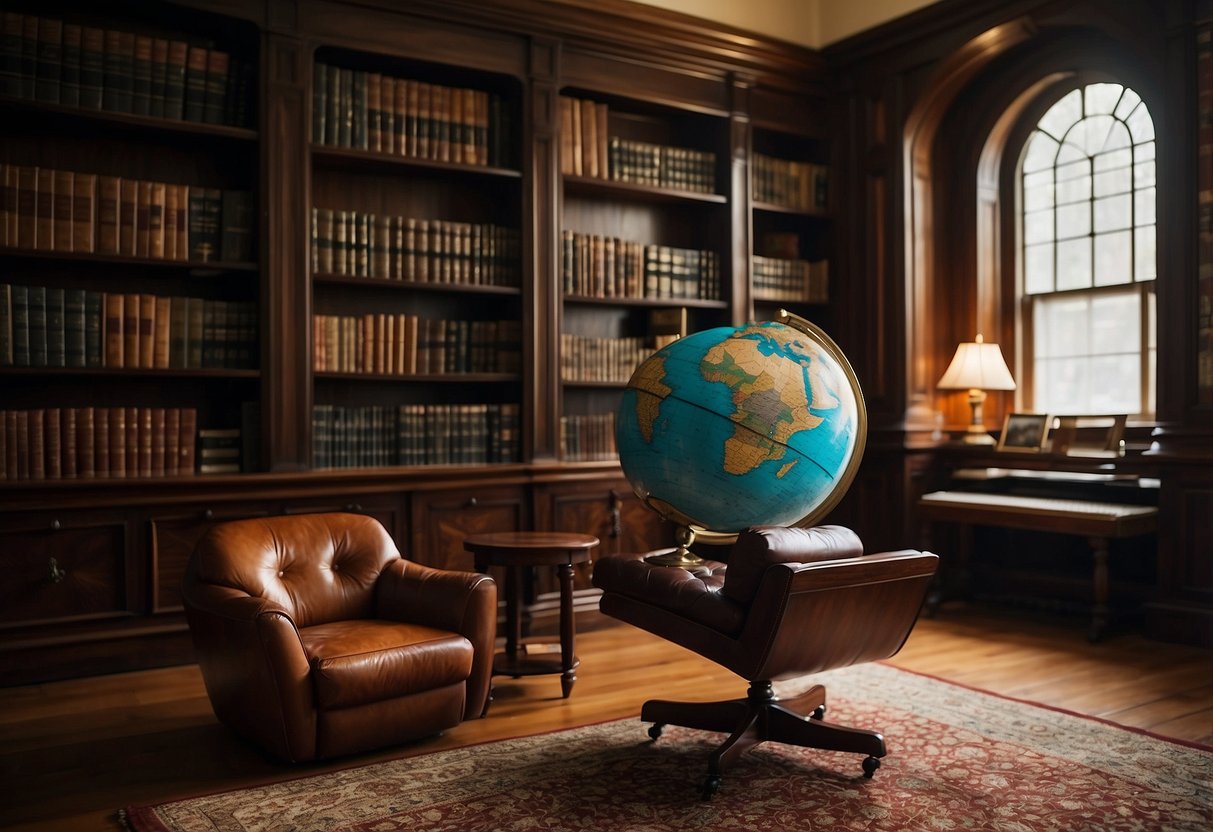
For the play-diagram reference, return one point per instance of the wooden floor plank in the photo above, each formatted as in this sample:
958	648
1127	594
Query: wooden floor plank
73	752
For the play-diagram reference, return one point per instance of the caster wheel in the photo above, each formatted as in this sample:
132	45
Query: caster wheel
710	786
870	764
655	730
818	713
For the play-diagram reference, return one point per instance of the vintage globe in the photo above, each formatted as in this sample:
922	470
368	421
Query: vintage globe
762	424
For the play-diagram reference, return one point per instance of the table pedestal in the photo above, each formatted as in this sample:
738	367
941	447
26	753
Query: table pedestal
514	551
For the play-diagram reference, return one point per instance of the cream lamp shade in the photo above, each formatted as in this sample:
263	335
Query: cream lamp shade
977	367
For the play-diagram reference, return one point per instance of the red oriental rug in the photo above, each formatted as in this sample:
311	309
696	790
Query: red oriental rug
959	759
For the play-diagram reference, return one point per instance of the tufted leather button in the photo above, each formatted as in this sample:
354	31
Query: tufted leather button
335	567
281	573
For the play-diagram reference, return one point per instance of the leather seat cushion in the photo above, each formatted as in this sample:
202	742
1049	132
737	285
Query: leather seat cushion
359	662
695	597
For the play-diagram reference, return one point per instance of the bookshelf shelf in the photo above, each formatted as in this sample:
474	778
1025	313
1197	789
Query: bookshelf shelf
112	372
196	268
421	378
353	159
603	188
591	385
646	303
380	283
774	208
65	117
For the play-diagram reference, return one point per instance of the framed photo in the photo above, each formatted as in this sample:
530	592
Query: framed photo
1024	432
1090	435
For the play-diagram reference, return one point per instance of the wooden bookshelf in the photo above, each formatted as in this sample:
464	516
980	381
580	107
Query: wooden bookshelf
130	537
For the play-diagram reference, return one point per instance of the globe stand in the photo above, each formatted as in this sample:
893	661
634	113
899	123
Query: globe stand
682	557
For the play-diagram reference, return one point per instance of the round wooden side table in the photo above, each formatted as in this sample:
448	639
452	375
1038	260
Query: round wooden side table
514	551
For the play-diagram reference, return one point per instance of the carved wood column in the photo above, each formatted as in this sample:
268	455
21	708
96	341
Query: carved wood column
285	199
541	251
740	154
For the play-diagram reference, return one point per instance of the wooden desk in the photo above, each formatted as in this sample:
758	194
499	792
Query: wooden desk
514	551
1098	522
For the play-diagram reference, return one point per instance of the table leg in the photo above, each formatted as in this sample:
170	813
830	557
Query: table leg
568	661
513	615
1099	613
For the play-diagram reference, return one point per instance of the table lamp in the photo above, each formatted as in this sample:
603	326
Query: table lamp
977	367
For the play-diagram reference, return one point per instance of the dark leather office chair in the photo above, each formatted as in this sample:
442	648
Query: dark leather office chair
316	639
789	602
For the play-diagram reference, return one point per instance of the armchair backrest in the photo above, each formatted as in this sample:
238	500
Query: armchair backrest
760	547
317	568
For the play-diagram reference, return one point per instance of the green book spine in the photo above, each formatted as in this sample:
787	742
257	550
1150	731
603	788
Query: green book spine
56	329
37	326
217	66
92	67
6	325
20	326
69	81
94	315
74	326
195	84
200	248
236	239
178	334
10	54
159	76
29	54
320	97
174	80
49	60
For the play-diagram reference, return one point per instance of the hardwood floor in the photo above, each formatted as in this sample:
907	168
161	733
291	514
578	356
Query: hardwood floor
73	752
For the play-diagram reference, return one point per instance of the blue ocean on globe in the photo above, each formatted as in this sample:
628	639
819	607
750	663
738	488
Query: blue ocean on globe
739	426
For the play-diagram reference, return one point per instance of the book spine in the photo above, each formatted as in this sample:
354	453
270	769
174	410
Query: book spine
94	329
115	321
174	80
10	55
92	68
44	233
159	74
49	60
74	327
195	84
65	188
218	64
84	212
141	76
69	79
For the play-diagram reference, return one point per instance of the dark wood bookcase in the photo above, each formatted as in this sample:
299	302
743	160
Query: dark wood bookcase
95	563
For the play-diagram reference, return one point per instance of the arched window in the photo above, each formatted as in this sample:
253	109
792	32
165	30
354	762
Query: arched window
1088	264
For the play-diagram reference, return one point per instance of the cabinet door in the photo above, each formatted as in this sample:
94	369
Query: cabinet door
442	519
607	509
385	508
61	568
173	538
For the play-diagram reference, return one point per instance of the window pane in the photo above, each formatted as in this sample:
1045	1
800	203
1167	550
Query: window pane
1143	152
1042	149
1117	384
1152	352
1144	174
1074	264
1091	133
1074	220
1118	137
1143	204
1112	213
1074	190
1113	258
1061	385
1063	114
1038	227
1061	326
1113	181
1140	124
1039	197
1102	98
1114	159
1073	169
1038	269
1115	323
1145	260
1128	101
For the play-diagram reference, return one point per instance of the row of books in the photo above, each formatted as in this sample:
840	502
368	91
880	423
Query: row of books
588	438
54	327
800	281
645	163
592	265
386	344
402	117
61	210
587	149
403	248
601	359
799	186
414	434
86	442
583	137
63	62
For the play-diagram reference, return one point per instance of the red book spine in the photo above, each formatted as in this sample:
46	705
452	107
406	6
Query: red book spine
172	442
101	441
158	441
68	442
189	439
50	435
117	442
37	445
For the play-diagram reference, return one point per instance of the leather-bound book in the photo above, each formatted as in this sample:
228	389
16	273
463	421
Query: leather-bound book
130	330
86	437
144	460
132	442
188	441
115	341
147	331
84	212
44	234
109	202
50	438
69	80
160	333
117	454
61	209
101	441
172	441
127	212
67	441
158	443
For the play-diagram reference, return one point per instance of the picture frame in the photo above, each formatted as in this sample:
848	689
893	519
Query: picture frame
1024	433
1090	435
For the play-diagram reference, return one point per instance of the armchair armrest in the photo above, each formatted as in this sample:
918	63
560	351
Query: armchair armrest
256	672
461	602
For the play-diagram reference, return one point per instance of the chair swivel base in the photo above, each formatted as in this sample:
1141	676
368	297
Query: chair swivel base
760	717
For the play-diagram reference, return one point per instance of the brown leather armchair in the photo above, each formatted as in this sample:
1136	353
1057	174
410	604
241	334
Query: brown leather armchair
316	639
789	602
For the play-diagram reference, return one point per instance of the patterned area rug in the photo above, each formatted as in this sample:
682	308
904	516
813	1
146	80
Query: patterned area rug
958	759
